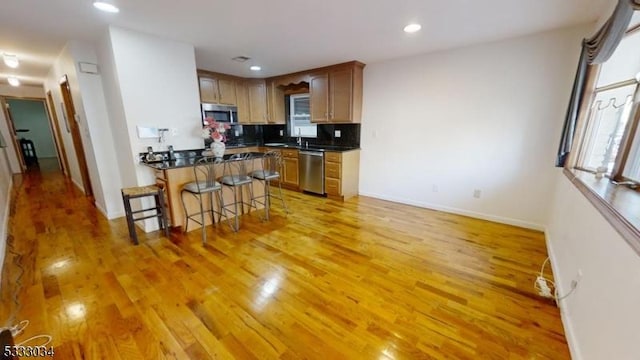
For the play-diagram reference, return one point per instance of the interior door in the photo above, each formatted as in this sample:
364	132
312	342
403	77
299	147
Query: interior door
14	134
76	136
57	135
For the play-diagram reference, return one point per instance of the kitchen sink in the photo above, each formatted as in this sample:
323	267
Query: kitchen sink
277	144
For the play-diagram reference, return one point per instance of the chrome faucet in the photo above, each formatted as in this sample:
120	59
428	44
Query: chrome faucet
299	141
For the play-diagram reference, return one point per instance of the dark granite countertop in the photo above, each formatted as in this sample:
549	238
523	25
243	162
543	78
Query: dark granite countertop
186	158
184	162
312	147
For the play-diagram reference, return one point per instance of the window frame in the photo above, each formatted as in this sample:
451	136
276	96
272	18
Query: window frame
614	201
625	142
291	116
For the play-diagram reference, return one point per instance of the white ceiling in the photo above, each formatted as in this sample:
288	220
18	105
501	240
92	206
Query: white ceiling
281	35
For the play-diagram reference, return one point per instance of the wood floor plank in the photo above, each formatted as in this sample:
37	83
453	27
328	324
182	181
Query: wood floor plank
361	279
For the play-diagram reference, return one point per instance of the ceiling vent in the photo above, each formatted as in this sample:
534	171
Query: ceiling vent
241	58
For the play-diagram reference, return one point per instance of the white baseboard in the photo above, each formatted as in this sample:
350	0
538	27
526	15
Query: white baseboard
79	186
105	213
457	211
570	335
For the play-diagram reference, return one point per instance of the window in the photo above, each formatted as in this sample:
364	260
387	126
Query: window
300	117
611	141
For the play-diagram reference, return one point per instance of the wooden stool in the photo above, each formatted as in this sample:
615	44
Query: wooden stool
143	191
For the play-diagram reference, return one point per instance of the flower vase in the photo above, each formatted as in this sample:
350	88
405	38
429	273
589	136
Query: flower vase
217	148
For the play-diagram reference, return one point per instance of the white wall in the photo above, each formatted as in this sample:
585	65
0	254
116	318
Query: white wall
94	123
113	98
601	317
158	87
19	92
485	117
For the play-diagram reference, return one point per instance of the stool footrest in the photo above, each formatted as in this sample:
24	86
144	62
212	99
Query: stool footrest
148	217
143	210
160	209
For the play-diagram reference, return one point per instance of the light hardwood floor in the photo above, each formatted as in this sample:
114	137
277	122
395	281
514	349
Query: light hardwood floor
363	279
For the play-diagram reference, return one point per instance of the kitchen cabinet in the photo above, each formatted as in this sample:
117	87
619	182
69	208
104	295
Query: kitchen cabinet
335	94
257	101
341	171
217	90
242	93
290	176
252	101
275	103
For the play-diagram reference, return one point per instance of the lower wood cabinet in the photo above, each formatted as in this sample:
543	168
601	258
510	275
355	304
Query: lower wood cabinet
341	173
291	176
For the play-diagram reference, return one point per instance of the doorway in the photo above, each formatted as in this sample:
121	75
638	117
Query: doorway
35	144
74	128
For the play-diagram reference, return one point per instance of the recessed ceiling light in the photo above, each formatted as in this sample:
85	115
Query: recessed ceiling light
411	28
13	81
255	68
106	6
11	60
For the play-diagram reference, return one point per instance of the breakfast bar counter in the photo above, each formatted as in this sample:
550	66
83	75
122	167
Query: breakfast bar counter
173	175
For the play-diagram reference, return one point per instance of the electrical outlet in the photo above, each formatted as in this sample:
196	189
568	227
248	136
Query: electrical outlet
337	133
174	132
574	284
477	193
281	132
374	134
434	188
237	133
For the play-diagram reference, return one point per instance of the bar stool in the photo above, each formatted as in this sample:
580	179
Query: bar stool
271	169
235	176
205	184
159	208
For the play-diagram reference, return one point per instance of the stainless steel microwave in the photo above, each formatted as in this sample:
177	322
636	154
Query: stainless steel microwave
221	113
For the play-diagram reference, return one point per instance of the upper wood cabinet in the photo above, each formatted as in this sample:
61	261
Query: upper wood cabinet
257	92
275	103
319	97
336	94
242	94
217	90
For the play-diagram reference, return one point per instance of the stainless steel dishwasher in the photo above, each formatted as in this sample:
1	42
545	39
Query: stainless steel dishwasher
312	171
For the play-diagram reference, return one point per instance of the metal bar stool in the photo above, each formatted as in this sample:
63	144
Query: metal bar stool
159	208
235	176
205	185
271	169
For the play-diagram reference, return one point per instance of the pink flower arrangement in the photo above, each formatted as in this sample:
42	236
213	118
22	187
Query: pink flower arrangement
214	130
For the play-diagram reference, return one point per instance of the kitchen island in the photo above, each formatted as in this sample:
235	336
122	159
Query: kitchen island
173	175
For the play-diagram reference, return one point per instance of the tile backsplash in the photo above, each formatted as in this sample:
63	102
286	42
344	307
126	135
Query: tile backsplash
259	134
240	134
349	135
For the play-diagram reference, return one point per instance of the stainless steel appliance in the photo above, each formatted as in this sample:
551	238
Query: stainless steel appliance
312	171
221	113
